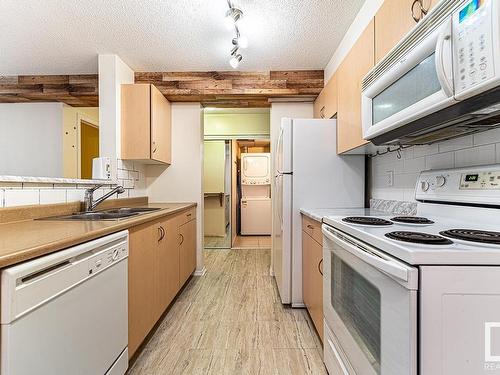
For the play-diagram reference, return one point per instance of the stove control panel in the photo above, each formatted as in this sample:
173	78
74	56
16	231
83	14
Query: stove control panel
477	185
480	180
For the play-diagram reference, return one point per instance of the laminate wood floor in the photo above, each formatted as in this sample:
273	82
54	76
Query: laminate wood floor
231	321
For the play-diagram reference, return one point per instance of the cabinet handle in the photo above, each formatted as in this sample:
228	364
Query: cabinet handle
188	215
421	8
310	226
320	267
322	112
161	231
154	147
182	239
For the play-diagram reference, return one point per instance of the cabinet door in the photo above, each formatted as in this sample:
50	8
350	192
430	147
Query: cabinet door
312	280
161	127
319	105
306	270
142	285
325	105
357	63
187	234
135	121
168	263
394	20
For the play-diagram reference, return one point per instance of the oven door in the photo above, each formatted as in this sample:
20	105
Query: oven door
370	306
419	84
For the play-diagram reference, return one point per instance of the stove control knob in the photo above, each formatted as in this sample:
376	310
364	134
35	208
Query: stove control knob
440	181
424	185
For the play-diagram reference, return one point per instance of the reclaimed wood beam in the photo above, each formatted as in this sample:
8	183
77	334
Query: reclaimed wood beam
235	88
75	90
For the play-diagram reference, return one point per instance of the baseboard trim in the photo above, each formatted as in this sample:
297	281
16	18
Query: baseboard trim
201	272
271	273
298	305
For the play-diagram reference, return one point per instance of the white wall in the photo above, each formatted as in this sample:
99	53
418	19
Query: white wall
113	72
278	111
363	18
183	180
31	139
479	149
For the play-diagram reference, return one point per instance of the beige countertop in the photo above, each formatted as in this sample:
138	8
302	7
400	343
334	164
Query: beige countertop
24	240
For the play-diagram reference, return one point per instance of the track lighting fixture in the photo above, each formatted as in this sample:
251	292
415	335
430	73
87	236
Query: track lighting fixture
233	15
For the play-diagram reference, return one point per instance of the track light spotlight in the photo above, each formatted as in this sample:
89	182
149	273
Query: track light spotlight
241	41
233	15
235	60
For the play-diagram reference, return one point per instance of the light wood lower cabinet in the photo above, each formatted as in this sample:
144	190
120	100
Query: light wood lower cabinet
312	276
142	284
159	264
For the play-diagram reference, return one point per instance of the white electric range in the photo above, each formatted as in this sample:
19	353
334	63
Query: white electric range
420	294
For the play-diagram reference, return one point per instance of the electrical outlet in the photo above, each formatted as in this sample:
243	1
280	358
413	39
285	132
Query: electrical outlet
390	178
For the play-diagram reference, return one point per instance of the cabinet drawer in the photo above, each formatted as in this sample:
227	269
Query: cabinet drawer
312	228
187	216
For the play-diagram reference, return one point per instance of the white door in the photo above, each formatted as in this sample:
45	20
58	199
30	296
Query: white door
256	216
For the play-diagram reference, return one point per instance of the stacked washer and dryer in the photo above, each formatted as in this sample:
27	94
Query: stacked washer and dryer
256	209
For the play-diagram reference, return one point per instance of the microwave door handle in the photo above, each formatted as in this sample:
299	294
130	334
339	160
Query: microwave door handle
444	67
370	257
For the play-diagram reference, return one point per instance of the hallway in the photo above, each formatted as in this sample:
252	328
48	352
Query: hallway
231	322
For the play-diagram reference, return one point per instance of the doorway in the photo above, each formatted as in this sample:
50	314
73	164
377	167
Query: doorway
89	148
230	206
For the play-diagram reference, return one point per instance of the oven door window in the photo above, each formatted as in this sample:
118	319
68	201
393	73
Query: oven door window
420	82
357	302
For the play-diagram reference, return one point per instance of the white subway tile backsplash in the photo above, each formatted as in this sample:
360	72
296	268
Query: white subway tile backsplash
405	181
455	144
414	165
485	138
478	155
440	161
425	150
122	174
51	196
73	195
15	197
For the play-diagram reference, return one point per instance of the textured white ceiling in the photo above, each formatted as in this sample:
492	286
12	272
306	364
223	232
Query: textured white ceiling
64	36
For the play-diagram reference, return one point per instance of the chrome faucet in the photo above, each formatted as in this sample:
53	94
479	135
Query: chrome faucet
89	202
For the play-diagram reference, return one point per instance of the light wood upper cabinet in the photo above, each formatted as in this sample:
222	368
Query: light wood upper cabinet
350	73
146	124
325	105
394	20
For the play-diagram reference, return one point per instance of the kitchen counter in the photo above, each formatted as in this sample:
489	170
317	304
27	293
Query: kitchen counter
319	213
24	240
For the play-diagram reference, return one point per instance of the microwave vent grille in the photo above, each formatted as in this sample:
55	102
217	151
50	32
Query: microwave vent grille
429	23
449	132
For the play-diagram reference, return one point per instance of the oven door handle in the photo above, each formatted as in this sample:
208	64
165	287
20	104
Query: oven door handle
369	255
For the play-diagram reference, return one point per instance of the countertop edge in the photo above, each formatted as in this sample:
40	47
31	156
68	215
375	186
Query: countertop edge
311	215
51	247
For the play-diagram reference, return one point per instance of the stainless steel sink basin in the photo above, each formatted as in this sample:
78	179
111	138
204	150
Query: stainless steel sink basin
139	210
113	214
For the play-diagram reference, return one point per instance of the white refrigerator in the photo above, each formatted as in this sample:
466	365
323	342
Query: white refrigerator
308	173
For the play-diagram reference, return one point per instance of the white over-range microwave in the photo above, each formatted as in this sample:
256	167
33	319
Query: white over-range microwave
441	81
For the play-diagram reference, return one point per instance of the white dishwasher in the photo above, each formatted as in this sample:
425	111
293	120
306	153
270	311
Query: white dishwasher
66	313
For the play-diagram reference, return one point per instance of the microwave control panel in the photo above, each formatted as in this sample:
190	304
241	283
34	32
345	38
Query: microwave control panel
473	44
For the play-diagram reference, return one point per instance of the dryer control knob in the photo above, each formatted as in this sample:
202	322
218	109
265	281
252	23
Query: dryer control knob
424	185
